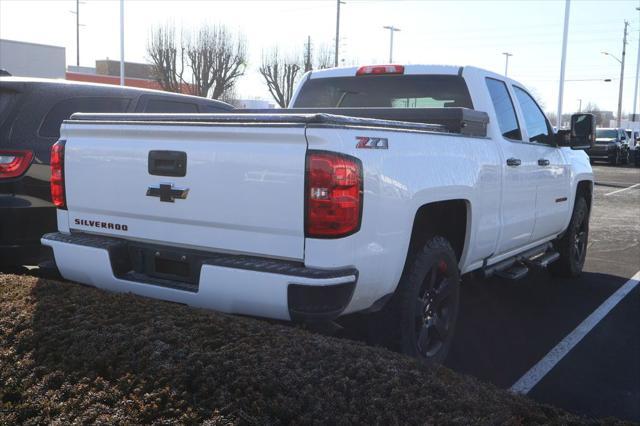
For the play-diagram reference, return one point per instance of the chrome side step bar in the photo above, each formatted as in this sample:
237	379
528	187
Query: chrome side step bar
518	267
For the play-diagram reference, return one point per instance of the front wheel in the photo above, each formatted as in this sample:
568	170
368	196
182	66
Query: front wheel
573	244
420	319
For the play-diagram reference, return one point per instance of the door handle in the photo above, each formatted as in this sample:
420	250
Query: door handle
513	162
543	162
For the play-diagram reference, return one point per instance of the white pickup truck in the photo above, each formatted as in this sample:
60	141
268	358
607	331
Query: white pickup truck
372	196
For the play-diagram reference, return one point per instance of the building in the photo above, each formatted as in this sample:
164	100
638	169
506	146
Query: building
107	71
24	59
253	104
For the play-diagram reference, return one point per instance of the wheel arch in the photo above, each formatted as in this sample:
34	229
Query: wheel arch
585	188
450	219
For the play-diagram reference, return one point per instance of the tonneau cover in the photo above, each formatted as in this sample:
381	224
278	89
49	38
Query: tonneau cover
268	117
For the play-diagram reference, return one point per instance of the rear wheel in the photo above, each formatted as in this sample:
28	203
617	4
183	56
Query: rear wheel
573	244
615	161
420	319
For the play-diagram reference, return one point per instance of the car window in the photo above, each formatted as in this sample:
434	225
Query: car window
167	105
534	118
212	108
505	112
6	99
50	127
385	91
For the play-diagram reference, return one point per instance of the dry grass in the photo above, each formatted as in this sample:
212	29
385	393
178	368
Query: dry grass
69	353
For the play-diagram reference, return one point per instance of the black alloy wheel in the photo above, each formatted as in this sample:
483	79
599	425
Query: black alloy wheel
435	309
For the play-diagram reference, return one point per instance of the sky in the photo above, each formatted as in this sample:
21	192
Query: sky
470	32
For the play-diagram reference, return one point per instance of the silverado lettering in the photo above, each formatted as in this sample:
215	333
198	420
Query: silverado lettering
103	225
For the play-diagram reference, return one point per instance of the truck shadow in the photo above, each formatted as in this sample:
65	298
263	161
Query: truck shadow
505	327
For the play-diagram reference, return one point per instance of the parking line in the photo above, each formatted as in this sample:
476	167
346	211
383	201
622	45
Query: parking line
623	189
546	364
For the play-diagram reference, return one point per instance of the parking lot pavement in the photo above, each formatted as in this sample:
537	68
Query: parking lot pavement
505	327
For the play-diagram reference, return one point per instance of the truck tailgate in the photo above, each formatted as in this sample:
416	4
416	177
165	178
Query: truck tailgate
242	191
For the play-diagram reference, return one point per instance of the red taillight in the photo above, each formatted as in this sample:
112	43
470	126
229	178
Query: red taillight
57	175
333	195
380	69
14	163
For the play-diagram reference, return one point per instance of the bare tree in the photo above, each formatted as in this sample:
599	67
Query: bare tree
280	73
324	57
165	52
216	58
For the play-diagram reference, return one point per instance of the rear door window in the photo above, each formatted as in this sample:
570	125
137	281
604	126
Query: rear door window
6	99
534	119
50	127
505	112
168	105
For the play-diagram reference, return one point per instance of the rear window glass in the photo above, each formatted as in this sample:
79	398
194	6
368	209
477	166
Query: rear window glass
165	105
50	127
213	108
6	99
385	91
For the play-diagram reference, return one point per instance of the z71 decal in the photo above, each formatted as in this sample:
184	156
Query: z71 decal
365	142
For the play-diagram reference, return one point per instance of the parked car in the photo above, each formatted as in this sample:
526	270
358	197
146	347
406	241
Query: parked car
633	138
611	145
31	112
370	197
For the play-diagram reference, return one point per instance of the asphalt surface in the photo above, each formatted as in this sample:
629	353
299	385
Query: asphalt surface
506	327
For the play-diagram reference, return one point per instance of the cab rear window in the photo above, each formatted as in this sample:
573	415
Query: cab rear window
385	91
50	127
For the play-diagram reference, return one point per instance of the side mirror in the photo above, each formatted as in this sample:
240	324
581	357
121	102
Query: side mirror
582	133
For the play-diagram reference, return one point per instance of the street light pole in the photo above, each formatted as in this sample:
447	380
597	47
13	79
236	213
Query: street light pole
624	52
338	3
563	62
121	42
78	33
506	62
635	91
392	30
621	72
579	105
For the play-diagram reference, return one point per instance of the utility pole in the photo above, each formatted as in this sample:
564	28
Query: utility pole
624	52
78	33
121	42
392	30
78	25
506	63
563	62
338	3
635	92
579	106
307	61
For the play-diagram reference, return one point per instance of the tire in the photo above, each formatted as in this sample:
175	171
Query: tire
420	318
573	244
616	159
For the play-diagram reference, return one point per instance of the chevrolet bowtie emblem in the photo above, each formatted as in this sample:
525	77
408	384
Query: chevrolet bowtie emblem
167	192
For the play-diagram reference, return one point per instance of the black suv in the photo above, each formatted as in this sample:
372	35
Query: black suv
31	112
611	145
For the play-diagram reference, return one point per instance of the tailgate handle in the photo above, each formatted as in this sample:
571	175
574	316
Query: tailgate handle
168	163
